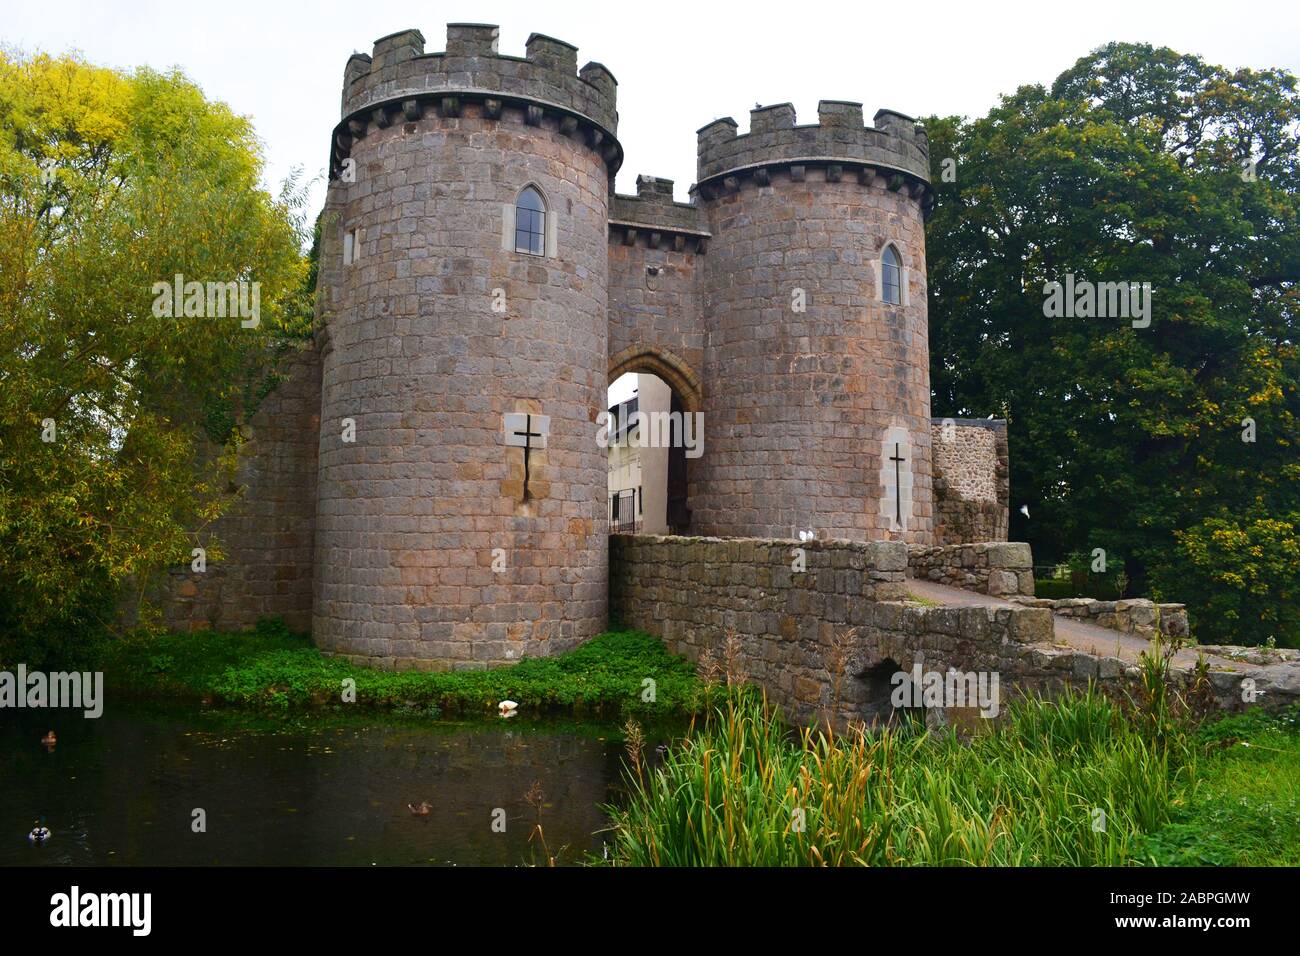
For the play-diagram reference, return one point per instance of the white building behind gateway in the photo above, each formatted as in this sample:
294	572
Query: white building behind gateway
638	476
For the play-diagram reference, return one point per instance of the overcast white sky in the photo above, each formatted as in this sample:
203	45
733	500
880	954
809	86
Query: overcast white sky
679	65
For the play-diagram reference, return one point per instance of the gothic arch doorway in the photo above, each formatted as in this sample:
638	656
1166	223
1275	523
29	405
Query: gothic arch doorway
648	487
669	367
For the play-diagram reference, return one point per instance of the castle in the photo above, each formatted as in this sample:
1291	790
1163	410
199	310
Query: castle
426	488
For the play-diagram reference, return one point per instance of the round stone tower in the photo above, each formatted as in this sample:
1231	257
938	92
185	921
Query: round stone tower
817	386
461	516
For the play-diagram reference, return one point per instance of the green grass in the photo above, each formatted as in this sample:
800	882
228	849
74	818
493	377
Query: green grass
270	667
1027	792
1246	807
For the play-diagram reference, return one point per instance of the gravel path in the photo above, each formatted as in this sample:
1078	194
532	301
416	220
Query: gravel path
1079	635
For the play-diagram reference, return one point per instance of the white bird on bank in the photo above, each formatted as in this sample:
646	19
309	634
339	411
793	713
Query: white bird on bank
507	708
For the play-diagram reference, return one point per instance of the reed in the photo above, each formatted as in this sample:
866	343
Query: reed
1069	782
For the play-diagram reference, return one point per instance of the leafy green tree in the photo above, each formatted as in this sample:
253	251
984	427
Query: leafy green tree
113	184
1138	165
1246	573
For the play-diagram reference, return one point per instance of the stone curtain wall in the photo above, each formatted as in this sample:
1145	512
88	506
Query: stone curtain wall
972	480
1138	616
267	534
998	568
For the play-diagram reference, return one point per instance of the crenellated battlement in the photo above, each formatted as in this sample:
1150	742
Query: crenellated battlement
895	147
399	80
654	214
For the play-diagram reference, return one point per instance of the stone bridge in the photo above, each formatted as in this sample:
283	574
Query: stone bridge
824	625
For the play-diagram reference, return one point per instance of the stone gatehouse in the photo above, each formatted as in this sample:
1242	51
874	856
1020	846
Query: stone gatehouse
427	488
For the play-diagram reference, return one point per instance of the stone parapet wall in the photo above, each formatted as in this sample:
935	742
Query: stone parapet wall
894	143
266	535
997	568
693	591
749	583
400	71
824	643
802	674
653	209
1138	616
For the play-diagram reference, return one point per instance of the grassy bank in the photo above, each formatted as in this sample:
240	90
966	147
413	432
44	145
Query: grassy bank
269	667
1075	782
1245	810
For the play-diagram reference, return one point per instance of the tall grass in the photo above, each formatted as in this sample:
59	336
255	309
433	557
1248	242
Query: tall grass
743	791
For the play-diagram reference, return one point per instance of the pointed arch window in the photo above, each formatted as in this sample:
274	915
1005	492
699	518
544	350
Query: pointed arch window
530	222
891	276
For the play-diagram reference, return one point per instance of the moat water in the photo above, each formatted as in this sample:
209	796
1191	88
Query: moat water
313	791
